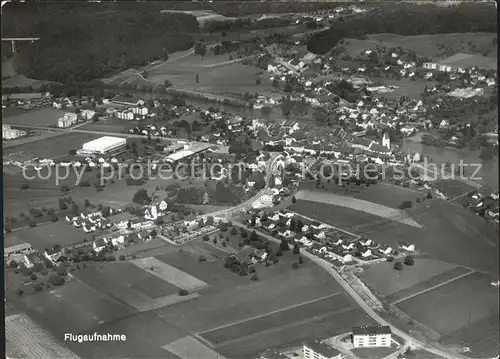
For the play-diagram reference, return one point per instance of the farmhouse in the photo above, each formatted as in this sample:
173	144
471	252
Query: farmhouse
318	350
371	336
188	151
18	249
103	145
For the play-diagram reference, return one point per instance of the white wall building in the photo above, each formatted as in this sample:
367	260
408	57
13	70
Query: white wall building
87	114
10	133
371	336
318	350
103	145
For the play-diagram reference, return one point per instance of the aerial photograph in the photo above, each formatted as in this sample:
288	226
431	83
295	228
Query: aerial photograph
273	179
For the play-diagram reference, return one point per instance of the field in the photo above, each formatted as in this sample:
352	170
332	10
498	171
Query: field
137	287
357	204
46	236
59	146
386	281
26	339
406	87
454	188
449	233
114	297
42	117
474	312
427	45
382	193
22	81
216	74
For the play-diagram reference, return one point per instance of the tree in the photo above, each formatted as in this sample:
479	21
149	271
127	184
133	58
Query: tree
202	258
210	220
197	78
294	200
86	203
62	205
255	277
141	196
75	209
25	186
206	238
122	257
233	231
129	224
183	292
296	249
409	261
295	265
390	259
398	266
279	252
284	246
56	280
254	237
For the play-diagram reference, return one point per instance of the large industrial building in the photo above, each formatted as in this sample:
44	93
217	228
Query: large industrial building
371	336
103	145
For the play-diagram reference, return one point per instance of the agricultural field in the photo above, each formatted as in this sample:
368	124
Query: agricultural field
467	305
382	193
405	87
454	188
140	288
386	281
41	117
59	146
428	45
357	204
22	81
449	233
47	235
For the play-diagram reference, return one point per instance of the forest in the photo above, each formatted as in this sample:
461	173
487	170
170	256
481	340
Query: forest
408	19
85	41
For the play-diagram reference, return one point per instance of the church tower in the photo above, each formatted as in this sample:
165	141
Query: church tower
386	141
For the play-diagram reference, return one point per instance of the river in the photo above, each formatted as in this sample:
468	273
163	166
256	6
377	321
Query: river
488	171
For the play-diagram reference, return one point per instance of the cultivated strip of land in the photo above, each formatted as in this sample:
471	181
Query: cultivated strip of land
168	273
358	205
33	341
189	347
433	287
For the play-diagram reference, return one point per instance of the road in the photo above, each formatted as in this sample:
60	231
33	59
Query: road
410	341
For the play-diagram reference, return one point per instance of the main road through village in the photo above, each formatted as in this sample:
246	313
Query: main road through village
410	341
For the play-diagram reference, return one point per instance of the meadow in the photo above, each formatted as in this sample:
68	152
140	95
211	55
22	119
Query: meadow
40	117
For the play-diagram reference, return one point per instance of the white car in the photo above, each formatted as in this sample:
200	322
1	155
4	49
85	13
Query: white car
496	284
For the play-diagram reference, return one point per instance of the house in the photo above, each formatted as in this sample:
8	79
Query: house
444	124
407	247
260	255
87	114
385	250
319	350
31	259
366	253
9	133
371	336
99	244
246	254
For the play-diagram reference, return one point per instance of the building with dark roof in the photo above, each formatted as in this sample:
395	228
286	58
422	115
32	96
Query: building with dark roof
319	350
371	336
272	354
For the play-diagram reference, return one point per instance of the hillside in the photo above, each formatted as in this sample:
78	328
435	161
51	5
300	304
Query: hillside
84	41
409	20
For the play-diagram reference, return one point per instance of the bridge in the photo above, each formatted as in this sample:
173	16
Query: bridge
14	39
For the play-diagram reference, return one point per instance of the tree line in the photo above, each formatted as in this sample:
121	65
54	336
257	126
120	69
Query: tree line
84	41
408	19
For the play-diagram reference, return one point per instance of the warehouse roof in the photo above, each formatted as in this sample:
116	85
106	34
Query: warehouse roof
371	330
104	142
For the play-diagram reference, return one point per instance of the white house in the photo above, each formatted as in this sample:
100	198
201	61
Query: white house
99	244
371	336
407	247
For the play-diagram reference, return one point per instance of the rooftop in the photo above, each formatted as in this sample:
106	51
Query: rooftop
322	349
369	330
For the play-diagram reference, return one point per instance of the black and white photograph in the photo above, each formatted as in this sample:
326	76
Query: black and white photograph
273	179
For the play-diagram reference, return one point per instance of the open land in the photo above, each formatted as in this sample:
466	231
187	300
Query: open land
386	281
42	117
474	312
428	45
46	236
449	233
358	205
